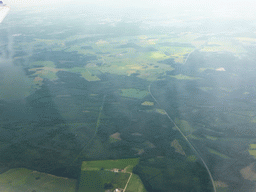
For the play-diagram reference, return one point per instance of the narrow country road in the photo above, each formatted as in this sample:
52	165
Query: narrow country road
96	129
190	144
127	181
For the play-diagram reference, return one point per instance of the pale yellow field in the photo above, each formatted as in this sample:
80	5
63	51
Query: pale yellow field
161	111
148	103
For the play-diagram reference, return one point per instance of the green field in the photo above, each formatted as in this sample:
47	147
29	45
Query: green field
116	58
135	184
252	152
90	181
85	73
44	69
133	93
109	164
93	181
24	180
94	174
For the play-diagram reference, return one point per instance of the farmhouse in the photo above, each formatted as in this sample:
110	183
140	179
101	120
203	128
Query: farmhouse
118	190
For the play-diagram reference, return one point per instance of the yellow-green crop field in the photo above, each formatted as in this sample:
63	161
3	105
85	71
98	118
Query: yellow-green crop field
147	103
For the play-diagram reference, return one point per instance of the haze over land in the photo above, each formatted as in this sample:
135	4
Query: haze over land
141	96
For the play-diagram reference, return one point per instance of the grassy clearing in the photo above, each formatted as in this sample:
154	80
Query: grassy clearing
178	53
109	164
184	77
191	158
184	126
161	111
218	153
27	180
134	93
135	184
217	45
147	103
158	55
253	146
114	138
85	73
47	70
94	174
178	147
38	81
252	152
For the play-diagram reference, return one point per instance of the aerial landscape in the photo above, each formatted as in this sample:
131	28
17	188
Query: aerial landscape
102	101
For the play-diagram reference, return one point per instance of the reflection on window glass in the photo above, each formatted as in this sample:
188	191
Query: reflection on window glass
131	96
